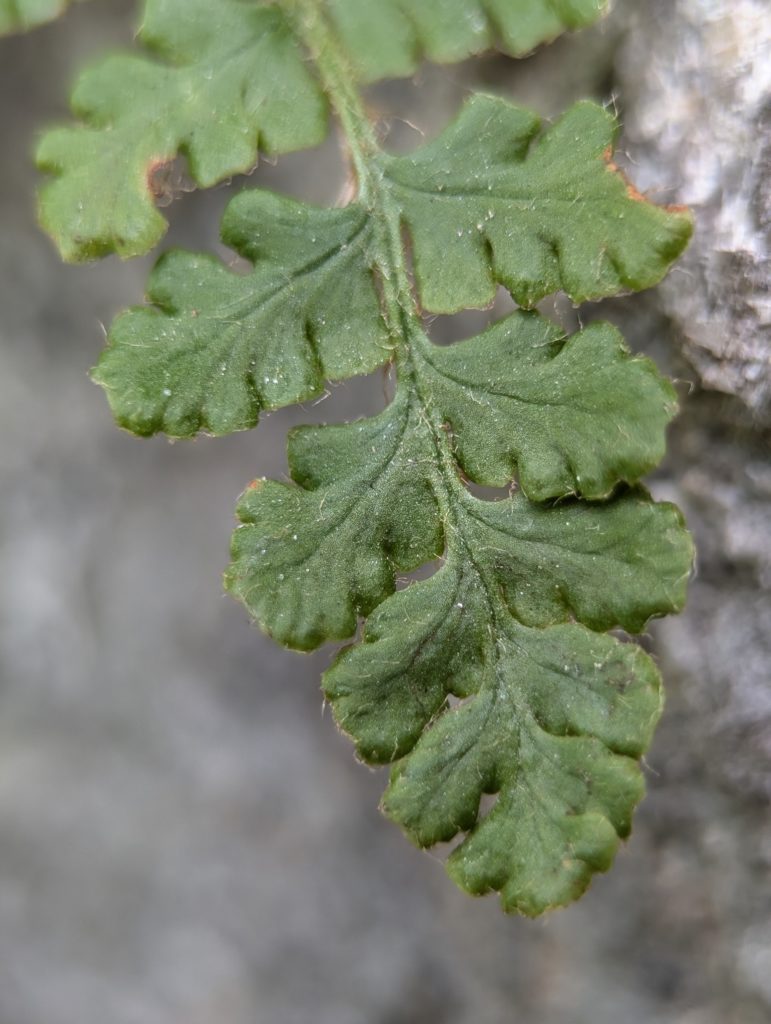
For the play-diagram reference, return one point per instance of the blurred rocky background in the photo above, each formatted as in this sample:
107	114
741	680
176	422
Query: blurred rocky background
184	838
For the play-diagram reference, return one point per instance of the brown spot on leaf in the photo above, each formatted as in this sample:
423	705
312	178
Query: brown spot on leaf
167	179
155	174
631	190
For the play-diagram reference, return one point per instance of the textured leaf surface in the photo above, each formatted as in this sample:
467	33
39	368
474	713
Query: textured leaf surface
434	638
18	15
309	559
553	726
219	81
365	489
217	346
386	38
554	714
493	676
490	201
569	415
225	79
553	722
554	562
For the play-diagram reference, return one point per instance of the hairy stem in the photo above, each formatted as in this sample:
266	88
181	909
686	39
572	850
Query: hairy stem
399	302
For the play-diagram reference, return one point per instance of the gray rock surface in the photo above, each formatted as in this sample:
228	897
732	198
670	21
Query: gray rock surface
184	837
695	76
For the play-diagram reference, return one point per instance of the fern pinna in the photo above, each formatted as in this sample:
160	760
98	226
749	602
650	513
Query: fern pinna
495	675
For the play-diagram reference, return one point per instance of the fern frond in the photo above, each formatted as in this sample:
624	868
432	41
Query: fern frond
496	674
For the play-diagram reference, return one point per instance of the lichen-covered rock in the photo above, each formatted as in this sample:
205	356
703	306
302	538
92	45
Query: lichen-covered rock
695	80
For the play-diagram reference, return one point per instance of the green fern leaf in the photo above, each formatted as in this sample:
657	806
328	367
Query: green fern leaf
552	720
219	346
488	202
310	559
558	709
217	353
387	37
228	78
554	726
495	675
367	490
568	416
